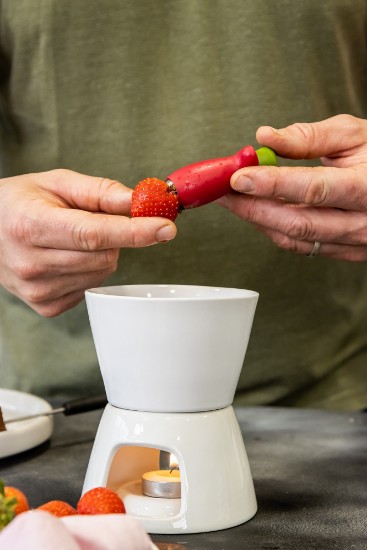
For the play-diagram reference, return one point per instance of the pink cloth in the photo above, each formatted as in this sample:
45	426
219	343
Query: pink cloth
38	530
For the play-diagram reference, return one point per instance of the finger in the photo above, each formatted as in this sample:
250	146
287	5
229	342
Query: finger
46	263
69	229
301	223
341	188
58	306
332	136
46	290
330	250
95	194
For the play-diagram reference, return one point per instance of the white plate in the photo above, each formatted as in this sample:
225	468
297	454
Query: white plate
23	435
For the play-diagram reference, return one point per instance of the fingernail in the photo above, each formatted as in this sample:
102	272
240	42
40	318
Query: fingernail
165	233
276	131
244	184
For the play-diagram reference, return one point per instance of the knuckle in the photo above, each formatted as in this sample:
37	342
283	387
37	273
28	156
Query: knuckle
112	256
20	228
27	271
354	234
300	228
59	175
138	233
307	132
284	242
251	210
106	184
36	293
274	184
133	240
348	121
106	193
86	237
48	311
318	190
59	305
108	263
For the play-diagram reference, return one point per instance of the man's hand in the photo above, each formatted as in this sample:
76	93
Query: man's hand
61	233
296	206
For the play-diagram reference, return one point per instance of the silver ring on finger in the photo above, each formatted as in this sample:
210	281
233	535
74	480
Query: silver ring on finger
315	249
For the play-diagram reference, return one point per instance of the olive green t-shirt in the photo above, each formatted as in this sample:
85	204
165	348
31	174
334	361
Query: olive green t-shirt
133	89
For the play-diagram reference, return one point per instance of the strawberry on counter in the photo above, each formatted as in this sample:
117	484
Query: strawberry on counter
100	500
12	503
58	508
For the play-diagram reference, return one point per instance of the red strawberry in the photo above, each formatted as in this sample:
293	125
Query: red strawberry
58	508
101	500
12	502
21	500
154	197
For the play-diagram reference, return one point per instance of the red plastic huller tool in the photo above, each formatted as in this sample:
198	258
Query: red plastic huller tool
203	182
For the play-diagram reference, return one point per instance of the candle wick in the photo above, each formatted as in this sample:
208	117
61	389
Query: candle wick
174	468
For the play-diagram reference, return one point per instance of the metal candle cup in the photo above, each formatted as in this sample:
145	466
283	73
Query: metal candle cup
162	484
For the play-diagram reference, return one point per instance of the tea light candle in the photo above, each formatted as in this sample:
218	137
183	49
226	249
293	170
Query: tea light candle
162	484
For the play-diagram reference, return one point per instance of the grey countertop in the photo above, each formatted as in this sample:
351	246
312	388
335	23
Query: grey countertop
309	469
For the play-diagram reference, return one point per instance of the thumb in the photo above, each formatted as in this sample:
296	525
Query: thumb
90	193
331	137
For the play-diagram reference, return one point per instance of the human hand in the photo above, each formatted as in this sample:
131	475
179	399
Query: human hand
296	206
61	233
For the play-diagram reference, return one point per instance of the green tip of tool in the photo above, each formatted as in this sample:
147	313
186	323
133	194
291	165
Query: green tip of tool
266	156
